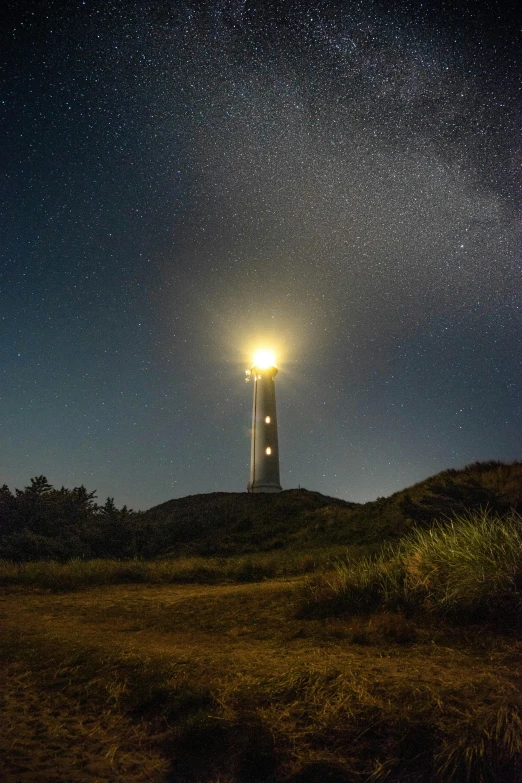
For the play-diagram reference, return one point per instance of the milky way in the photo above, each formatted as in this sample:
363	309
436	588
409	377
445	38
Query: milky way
186	181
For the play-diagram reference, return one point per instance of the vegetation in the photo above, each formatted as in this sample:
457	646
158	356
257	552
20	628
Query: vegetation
469	567
223	684
42	523
338	643
77	574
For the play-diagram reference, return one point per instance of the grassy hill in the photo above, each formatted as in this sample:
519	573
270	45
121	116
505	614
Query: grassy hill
223	523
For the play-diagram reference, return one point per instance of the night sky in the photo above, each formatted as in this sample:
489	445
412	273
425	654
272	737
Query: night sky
183	182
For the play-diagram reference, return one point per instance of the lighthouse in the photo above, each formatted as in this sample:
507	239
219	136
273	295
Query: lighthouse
264	459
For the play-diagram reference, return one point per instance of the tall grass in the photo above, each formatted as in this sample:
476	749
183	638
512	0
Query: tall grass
77	574
470	566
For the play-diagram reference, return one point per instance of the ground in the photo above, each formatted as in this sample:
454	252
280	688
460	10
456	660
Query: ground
104	684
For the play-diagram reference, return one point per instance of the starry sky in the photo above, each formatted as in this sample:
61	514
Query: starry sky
183	182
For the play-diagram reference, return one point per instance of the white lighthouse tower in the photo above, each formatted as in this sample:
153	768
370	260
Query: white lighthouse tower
264	460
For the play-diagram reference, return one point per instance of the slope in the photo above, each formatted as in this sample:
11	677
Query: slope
235	523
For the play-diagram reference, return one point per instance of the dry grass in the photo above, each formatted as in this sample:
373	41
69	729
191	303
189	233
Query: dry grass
77	574
47	735
223	684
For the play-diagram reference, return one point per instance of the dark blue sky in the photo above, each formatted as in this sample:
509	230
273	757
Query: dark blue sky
182	182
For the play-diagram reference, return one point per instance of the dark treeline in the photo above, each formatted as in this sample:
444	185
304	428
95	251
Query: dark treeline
40	523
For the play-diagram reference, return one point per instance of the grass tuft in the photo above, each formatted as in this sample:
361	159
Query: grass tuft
469	567
473	565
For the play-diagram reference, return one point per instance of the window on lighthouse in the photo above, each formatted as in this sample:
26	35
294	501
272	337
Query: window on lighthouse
267	419
268	450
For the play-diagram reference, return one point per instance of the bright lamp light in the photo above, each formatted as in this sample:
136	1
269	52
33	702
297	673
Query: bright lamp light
264	359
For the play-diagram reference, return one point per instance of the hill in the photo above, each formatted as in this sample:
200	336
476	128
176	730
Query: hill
223	523
42	523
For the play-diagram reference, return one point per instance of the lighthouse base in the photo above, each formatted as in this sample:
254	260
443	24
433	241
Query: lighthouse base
264	488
